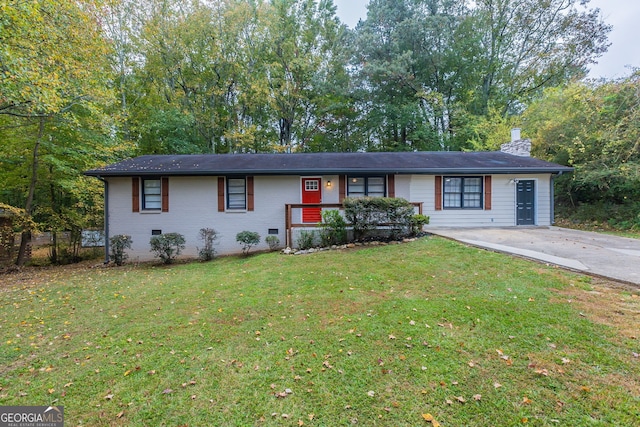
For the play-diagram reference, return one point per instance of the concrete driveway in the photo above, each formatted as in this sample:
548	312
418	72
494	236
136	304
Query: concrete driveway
592	253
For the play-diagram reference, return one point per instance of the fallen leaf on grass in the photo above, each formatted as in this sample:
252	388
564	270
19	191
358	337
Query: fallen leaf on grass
477	397
429	418
167	391
120	414
282	394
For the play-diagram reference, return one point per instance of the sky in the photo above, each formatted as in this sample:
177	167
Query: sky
624	37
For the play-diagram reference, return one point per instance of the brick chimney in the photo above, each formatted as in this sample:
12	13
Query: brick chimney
517	146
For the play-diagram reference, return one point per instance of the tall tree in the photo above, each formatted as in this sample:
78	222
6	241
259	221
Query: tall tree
429	66
247	76
51	64
122	22
595	127
303	48
183	79
530	45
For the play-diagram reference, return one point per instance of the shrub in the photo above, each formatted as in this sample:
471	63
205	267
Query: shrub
247	239
208	236
306	240
418	221
118	244
333	228
167	246
361	214
369	213
273	242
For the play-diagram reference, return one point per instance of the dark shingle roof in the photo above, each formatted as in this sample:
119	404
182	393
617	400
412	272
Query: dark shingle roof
437	162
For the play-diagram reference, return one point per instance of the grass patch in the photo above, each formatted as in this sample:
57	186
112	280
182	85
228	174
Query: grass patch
376	336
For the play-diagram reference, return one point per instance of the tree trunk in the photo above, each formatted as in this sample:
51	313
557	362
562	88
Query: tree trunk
28	208
285	132
53	255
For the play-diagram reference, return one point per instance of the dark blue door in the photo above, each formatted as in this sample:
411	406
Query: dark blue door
526	202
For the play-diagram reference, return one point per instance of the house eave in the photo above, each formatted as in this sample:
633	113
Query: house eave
310	172
422	163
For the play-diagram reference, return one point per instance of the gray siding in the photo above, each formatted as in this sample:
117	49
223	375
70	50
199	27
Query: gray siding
503	209
193	204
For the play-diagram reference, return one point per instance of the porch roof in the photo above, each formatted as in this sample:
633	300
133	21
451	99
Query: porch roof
429	163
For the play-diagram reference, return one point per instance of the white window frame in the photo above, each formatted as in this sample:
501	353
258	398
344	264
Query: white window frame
236	194
463	199
151	200
366	186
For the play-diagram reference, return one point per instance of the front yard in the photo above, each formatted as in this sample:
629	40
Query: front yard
424	333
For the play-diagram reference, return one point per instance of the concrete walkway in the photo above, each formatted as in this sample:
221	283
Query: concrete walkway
599	254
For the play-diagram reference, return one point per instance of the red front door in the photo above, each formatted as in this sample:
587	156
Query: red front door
311	193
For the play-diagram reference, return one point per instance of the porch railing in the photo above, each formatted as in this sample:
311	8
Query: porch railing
290	225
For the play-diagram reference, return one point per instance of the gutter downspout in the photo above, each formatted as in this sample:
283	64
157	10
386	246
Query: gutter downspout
106	219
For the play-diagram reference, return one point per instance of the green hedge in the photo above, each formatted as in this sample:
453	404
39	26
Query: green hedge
368	214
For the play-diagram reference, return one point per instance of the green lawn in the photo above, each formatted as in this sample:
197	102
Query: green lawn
375	336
